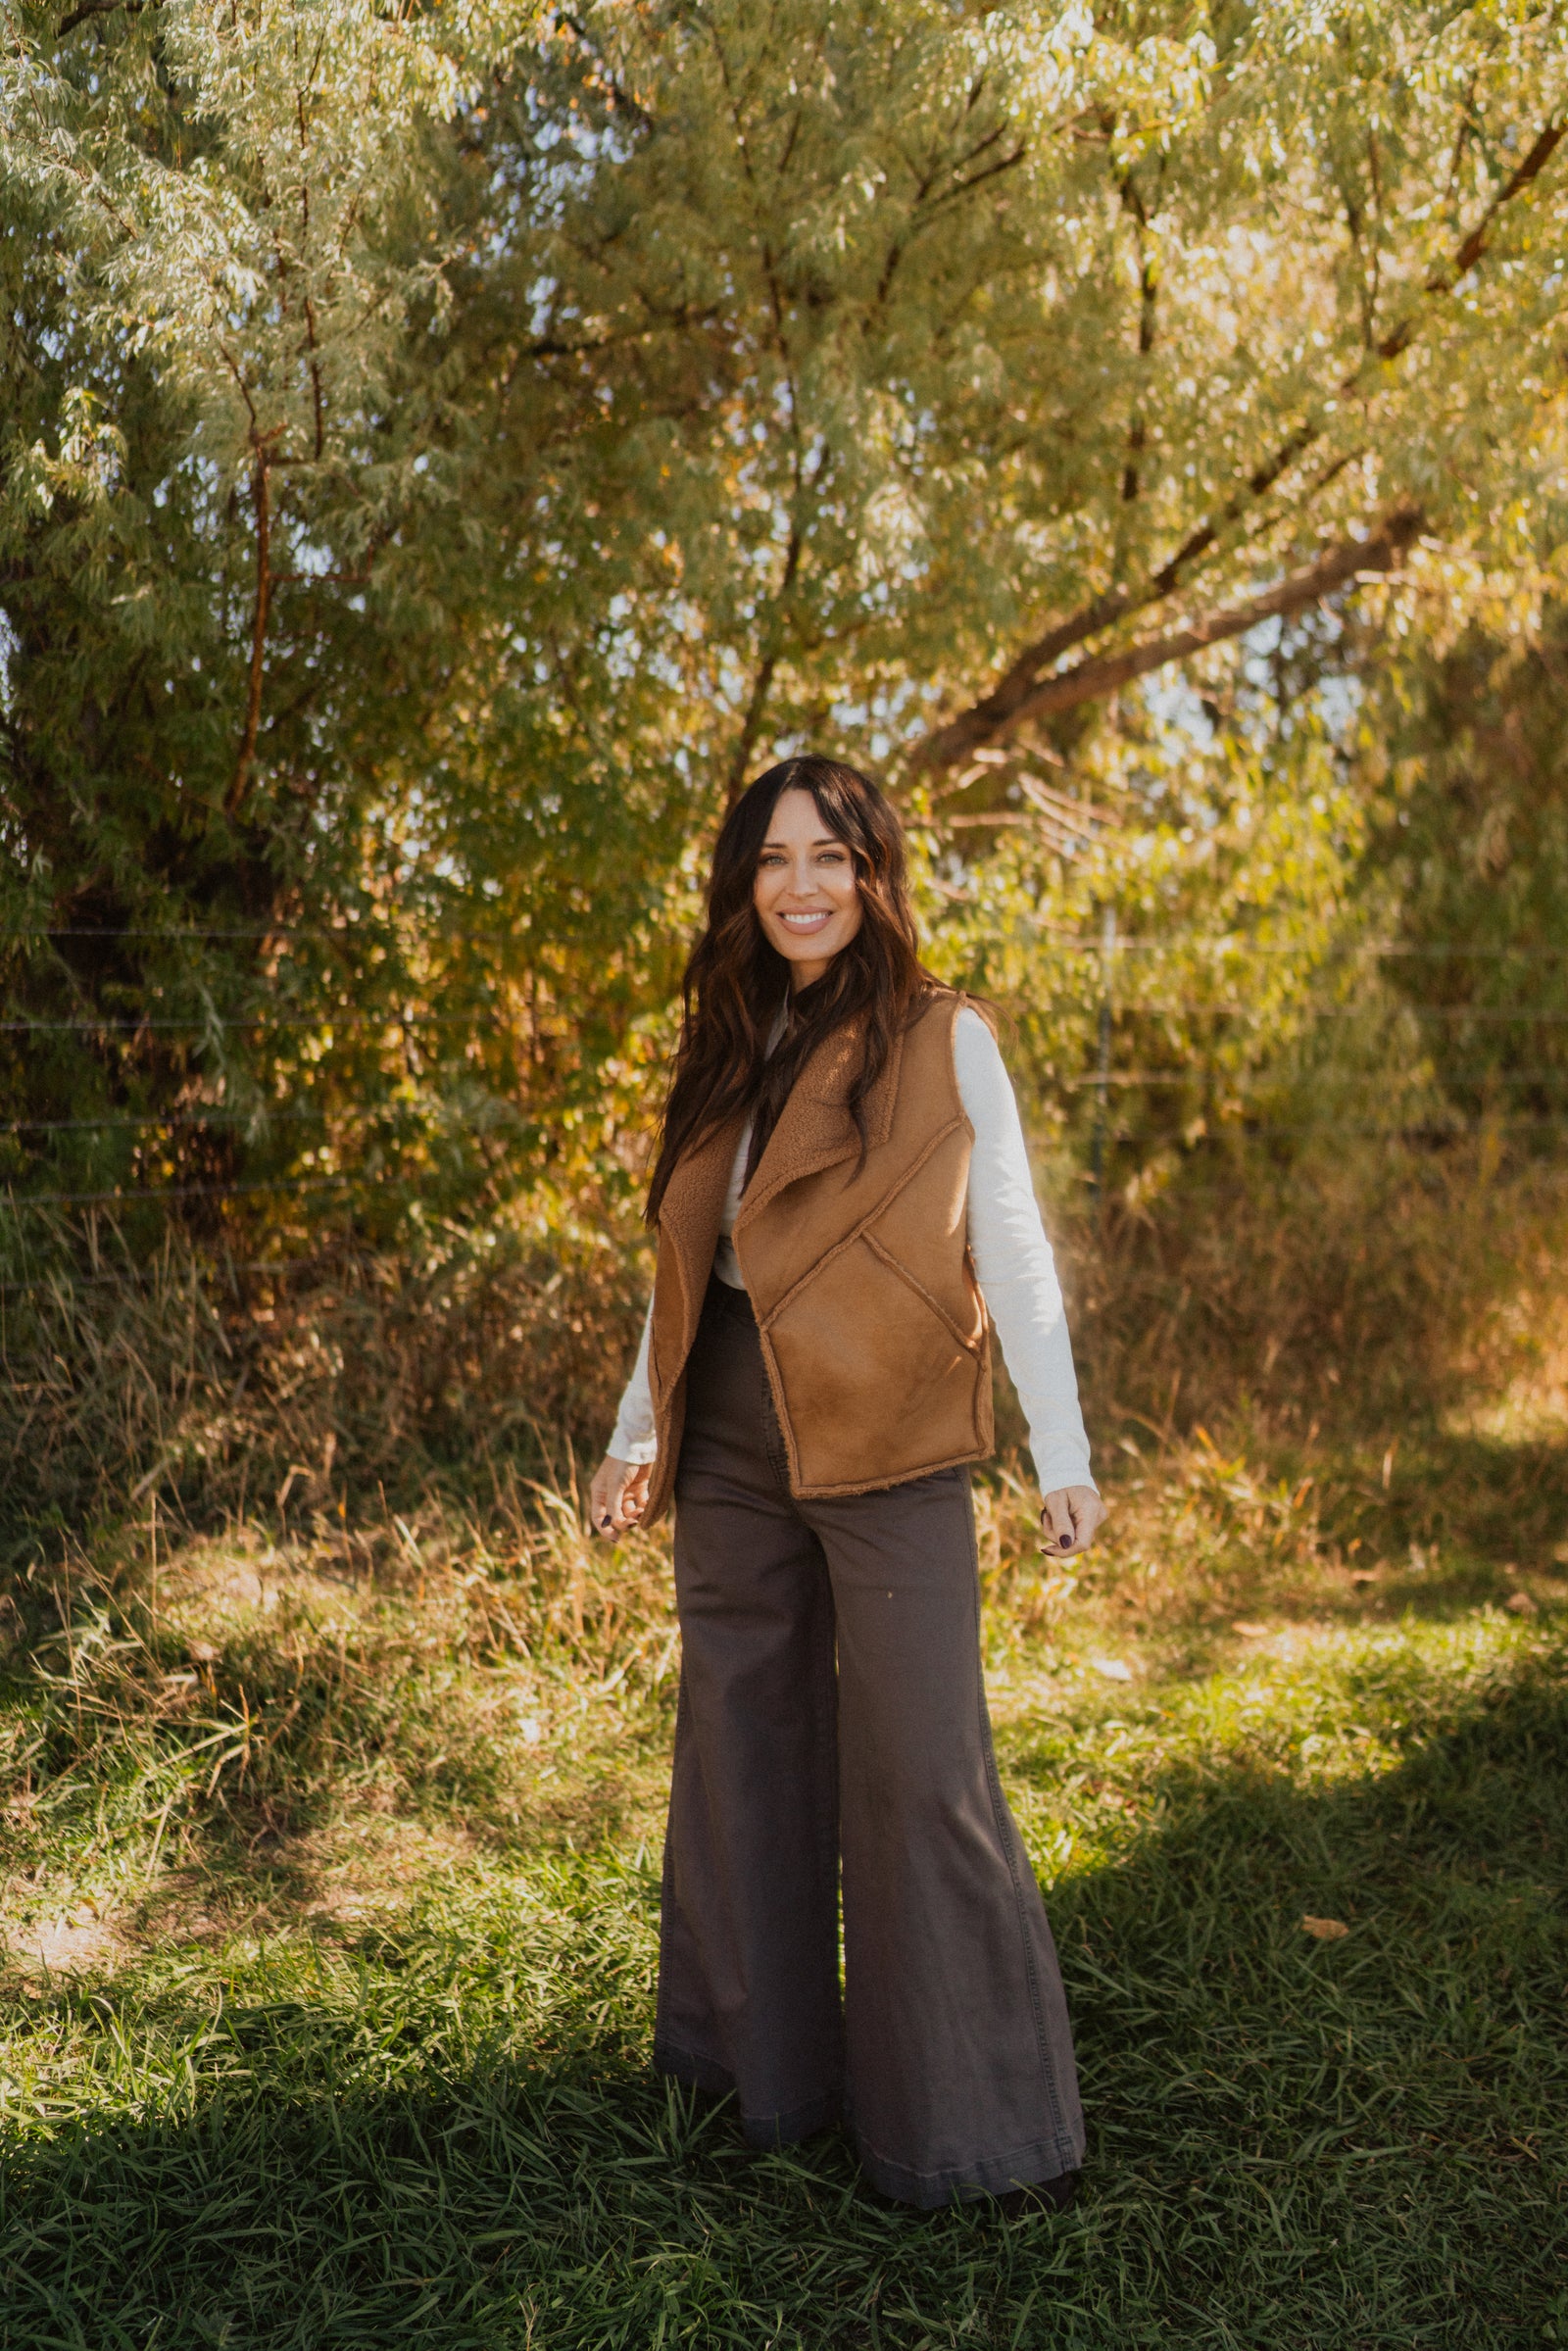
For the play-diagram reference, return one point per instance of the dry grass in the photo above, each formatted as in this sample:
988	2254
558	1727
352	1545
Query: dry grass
241	1731
1347	1289
250	1726
303	1615
1339	1297
232	1393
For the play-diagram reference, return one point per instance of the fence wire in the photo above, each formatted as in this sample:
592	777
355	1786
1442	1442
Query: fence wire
1427	1130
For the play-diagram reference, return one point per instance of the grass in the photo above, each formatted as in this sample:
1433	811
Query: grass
331	1895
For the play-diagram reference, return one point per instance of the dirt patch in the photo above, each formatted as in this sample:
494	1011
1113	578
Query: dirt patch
69	1945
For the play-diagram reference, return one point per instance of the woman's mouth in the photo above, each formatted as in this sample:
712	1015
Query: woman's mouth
805	926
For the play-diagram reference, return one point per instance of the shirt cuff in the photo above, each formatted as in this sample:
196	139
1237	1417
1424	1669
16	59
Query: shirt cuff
1065	1466
638	1450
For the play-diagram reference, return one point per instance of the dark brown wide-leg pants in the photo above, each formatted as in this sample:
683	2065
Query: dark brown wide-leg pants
950	2057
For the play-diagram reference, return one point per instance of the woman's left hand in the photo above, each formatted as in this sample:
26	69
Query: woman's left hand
1071	1519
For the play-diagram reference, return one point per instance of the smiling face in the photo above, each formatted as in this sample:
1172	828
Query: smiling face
805	894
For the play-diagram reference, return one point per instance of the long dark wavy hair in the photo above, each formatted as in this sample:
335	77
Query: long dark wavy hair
736	984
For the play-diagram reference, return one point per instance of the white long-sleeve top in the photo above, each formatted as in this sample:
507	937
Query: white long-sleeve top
1012	1262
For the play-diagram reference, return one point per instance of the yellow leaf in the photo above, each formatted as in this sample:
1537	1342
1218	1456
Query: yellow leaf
1326	1930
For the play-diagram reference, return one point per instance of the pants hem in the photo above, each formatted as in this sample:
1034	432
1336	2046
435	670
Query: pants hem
988	2176
781	2129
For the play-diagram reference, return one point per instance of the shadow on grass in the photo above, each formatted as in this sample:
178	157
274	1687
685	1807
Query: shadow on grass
1443	1520
1494	1498
1352	2143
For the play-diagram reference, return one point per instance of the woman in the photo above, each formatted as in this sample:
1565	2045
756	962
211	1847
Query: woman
841	1193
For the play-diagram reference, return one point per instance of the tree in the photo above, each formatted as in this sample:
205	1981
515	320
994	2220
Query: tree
229	565
945	324
450	452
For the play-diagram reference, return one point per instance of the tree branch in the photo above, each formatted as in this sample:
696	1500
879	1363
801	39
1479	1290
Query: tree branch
762	683
1105	673
1148	306
1000	708
1470	252
234	798
95	8
751	727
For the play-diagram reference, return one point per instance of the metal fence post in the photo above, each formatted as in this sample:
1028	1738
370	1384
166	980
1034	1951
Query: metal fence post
1107	952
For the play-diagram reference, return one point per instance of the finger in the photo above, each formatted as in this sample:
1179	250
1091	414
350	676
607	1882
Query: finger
624	1509
634	1499
1085	1515
1059	1533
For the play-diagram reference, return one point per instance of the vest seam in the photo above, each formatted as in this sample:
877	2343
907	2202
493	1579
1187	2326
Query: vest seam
799	1492
781	1411
848	1239
971	1346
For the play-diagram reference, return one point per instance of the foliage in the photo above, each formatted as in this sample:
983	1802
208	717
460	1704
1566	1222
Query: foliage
1468	783
237	471
1229	860
446	448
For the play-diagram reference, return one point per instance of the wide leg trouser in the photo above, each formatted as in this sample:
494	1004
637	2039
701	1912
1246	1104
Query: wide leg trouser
950	2057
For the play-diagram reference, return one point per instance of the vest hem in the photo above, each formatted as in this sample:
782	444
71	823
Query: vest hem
905	1477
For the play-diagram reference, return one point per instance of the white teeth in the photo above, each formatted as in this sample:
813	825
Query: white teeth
804	921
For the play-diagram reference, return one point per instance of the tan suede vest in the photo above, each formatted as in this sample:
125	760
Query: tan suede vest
873	1326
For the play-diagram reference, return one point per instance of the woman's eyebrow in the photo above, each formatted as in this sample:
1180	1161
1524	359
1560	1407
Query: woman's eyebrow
822	840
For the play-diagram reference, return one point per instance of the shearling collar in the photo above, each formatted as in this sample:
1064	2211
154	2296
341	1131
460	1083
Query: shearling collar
814	1129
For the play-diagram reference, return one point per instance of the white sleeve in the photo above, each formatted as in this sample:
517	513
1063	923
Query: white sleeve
1013	1262
632	1438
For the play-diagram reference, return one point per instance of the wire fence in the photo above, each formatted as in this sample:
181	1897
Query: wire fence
1229	1123
172	1192
214	1271
203	1023
1176	942
199	1025
257	1121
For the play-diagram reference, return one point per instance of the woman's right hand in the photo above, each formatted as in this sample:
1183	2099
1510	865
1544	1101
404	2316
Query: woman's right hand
617	1496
